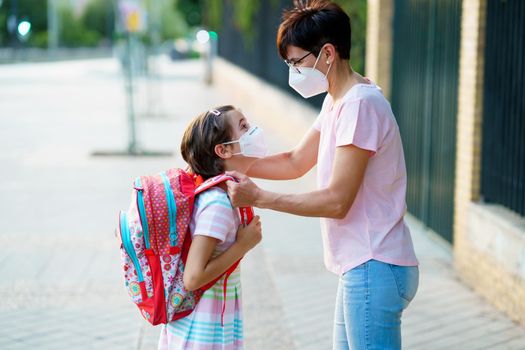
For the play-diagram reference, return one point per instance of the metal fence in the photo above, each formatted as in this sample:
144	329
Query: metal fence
31	54
424	100
503	157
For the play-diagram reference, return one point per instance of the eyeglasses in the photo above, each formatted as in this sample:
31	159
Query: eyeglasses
292	64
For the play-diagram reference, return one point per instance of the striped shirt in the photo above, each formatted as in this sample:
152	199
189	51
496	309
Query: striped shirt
213	216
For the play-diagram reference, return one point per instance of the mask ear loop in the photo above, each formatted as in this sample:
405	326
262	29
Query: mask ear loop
230	142
239	142
317	60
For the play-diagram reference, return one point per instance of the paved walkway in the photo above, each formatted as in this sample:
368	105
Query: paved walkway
61	285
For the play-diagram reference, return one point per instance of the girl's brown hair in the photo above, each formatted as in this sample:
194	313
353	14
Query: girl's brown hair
200	138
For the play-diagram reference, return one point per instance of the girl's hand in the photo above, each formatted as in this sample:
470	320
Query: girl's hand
250	235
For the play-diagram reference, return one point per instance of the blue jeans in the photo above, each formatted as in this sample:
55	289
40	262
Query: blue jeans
370	300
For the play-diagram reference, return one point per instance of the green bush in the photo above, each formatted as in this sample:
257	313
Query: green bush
191	11
174	24
39	39
73	33
99	17
31	10
3	24
356	9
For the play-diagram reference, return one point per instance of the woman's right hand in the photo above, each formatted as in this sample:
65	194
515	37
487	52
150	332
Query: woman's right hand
250	235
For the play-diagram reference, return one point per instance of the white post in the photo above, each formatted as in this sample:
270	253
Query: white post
52	27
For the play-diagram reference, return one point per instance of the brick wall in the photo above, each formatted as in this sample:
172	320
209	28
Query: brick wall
489	241
379	43
489	248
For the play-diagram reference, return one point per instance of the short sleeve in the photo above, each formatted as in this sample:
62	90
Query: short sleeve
214	215
358	124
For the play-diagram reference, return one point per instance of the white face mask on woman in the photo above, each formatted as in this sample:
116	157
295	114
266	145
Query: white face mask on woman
252	143
308	81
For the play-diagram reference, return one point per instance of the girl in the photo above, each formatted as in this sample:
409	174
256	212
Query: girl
216	141
356	145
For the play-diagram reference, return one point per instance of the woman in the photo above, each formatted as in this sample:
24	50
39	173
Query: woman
356	145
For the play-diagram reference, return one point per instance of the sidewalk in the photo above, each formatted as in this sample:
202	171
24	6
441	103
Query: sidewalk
62	287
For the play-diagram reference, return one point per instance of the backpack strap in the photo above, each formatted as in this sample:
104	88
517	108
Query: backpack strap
225	287
212	181
246	214
226	275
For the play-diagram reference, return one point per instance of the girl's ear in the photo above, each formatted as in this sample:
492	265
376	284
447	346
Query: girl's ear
223	151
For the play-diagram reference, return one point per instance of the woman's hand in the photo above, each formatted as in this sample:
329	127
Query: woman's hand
243	193
250	235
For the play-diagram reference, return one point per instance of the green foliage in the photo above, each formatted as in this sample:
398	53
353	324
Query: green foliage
191	11
164	16
244	12
39	39
356	9
3	24
33	11
173	23
176	17
30	10
72	32
213	12
96	21
99	16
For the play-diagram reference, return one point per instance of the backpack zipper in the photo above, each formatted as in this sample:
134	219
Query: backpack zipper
172	209
142	212
128	245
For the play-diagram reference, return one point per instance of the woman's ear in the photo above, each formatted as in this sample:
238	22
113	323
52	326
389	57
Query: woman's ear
223	151
329	52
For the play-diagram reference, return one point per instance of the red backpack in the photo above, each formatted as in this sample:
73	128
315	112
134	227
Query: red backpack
156	238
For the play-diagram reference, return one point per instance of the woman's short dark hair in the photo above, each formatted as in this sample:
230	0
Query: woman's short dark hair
200	138
312	24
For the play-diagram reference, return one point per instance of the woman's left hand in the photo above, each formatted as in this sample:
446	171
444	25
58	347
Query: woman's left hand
243	193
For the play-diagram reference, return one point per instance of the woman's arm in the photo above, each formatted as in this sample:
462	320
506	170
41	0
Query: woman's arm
201	269
289	165
332	202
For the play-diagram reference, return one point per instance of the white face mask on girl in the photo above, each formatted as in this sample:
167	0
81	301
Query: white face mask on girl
252	143
310	81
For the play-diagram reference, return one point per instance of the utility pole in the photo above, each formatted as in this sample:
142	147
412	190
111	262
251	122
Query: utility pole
52	27
131	18
12	26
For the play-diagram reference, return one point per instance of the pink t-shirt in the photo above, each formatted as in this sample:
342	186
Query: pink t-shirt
374	227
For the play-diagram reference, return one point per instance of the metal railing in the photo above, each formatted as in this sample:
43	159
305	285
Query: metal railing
503	157
424	101
31	54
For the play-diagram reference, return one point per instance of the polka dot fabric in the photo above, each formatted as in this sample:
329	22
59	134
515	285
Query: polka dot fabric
153	277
